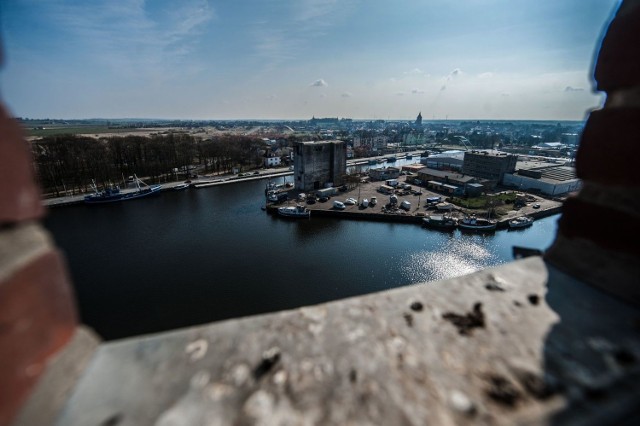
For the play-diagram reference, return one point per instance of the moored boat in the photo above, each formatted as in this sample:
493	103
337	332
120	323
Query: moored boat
113	194
296	212
181	186
473	223
440	221
520	222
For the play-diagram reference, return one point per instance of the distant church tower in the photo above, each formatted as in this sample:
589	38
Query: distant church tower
419	120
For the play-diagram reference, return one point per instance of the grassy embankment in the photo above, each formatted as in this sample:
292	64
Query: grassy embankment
502	203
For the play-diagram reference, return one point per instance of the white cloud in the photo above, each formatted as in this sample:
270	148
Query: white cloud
319	83
453	74
123	35
450	77
415	71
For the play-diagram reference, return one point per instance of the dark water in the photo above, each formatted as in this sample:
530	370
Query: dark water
194	256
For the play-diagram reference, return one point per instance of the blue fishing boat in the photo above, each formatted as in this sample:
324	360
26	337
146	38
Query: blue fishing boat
113	194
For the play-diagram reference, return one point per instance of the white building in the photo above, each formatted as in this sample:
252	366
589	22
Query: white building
271	159
551	180
445	160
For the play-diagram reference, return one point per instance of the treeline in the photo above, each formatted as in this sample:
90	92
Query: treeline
68	163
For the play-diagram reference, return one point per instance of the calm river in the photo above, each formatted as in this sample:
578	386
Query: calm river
194	256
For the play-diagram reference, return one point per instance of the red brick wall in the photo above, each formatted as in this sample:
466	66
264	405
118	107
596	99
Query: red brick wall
598	238
37	310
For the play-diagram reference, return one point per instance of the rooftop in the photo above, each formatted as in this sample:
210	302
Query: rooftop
446	173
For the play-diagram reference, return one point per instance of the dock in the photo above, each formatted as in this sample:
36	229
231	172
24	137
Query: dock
417	211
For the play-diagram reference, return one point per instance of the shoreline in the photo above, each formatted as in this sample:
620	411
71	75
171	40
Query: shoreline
503	223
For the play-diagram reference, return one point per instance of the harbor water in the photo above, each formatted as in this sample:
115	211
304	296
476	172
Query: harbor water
195	256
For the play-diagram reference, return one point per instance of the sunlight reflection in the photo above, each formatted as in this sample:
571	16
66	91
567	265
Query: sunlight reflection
460	256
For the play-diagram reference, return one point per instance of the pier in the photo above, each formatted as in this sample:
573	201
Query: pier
417	211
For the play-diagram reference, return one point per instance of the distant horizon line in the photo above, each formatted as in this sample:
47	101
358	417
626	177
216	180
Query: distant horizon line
298	119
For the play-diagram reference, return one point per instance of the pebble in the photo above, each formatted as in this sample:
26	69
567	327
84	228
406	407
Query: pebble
461	402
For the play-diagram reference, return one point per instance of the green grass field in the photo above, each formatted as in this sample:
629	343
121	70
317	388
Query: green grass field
73	130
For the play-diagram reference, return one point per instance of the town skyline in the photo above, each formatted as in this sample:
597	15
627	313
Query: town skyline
209	60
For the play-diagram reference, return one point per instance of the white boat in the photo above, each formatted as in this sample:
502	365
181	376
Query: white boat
472	223
520	222
181	186
294	212
440	221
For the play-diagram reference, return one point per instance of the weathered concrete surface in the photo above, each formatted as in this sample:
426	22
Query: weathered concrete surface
58	380
521	343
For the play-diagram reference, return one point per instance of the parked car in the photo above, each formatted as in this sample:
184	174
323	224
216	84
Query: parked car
323	199
536	206
339	205
350	201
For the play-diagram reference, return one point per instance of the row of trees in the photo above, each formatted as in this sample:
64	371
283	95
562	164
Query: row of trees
69	163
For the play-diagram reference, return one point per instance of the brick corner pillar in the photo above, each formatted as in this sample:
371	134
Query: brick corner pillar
598	237
37	309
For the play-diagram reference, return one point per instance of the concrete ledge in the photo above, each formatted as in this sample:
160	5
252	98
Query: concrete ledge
521	343
59	379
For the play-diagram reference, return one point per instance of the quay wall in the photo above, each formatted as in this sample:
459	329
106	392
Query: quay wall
404	218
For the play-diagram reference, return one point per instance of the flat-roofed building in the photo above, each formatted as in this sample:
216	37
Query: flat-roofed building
449	181
445	176
319	164
413	168
490	165
550	180
384	173
444	160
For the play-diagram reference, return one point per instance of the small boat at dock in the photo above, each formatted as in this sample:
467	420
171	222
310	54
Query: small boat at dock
113	194
440	221
520	222
181	186
473	223
297	212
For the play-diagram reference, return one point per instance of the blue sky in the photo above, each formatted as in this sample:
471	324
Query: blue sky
233	59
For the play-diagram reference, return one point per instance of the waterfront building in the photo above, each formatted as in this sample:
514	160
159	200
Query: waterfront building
384	173
549	180
448	181
271	159
319	164
452	159
489	164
